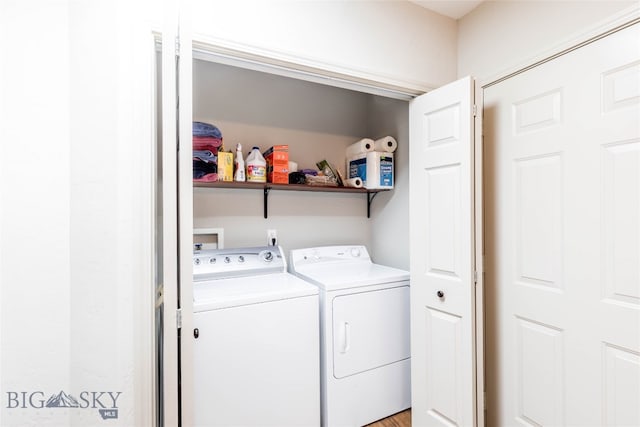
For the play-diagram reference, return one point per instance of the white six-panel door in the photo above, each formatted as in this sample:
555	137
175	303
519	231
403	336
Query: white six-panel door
562	188
443	327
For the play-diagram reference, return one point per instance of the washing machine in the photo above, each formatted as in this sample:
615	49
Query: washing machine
256	340
364	333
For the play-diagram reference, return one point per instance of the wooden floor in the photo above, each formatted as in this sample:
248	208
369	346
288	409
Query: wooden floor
401	419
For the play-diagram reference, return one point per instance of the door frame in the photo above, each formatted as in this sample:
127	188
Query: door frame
478	207
176	39
609	25
178	215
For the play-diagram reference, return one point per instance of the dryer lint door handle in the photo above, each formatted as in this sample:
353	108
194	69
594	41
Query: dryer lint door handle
346	337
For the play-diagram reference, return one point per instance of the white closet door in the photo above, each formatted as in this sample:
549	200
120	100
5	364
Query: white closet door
443	291
562	143
185	213
177	217
168	294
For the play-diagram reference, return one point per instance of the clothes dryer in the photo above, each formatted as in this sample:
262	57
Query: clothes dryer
256	342
364	333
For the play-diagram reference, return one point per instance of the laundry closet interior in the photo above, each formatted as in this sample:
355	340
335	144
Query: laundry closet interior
317	117
317	121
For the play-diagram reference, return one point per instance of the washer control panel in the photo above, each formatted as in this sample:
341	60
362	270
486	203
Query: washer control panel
222	263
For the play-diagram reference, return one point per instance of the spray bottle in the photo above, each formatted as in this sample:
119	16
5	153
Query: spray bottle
239	175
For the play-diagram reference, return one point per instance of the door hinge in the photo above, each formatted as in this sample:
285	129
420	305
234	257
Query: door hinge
177	46
475	110
179	318
475	276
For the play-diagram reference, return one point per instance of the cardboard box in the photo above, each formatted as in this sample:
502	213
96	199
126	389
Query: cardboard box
277	158
225	166
374	168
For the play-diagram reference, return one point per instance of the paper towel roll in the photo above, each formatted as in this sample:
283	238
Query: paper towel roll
353	182
388	144
362	146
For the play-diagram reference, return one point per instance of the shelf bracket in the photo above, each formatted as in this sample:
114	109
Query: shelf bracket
370	197
266	197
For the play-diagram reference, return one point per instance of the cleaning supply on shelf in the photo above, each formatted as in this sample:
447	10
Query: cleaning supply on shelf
239	175
277	158
256	166
225	165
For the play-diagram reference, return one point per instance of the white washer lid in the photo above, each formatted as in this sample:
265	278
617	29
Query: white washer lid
233	292
350	275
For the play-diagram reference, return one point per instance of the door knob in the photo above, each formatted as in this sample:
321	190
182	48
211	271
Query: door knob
440	294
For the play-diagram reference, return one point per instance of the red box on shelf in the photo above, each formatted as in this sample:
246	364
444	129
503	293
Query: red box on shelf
277	158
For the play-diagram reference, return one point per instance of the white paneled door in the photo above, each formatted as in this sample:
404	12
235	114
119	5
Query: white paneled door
562	188
443	237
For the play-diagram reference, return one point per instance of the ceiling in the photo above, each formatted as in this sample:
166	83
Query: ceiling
455	9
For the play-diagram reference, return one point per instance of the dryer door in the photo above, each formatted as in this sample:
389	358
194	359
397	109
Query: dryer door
370	329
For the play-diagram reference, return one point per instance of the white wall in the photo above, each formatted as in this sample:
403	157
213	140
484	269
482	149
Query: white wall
393	40
389	225
34	207
75	231
505	35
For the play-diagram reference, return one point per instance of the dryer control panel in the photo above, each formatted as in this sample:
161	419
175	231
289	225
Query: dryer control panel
329	254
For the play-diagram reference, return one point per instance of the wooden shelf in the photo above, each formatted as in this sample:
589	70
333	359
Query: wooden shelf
267	187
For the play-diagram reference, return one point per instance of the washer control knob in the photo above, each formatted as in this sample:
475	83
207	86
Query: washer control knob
196	261
212	260
227	260
267	256
355	252
240	259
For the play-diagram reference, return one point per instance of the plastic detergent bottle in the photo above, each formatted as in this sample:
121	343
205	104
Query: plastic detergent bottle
239	165
256	166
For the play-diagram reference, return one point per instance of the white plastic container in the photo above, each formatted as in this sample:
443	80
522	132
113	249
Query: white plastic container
239	175
256	166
